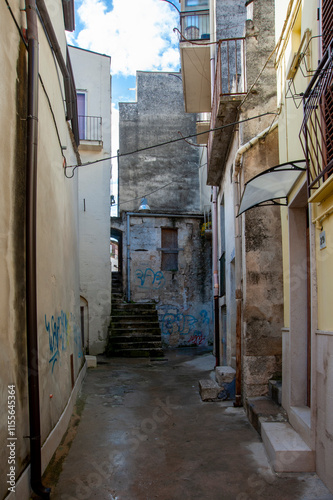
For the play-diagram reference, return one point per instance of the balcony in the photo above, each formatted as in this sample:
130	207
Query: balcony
195	60
316	133
229	90
90	132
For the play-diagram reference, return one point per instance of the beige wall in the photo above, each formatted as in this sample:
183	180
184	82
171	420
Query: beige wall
315	424
92	73
57	241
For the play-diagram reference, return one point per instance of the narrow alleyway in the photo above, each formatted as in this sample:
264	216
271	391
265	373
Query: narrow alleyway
145	434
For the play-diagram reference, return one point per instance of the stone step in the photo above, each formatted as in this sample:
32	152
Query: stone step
275	391
138	353
262	409
135	331
139	344
133	318
139	325
131	309
209	390
285	448
136	338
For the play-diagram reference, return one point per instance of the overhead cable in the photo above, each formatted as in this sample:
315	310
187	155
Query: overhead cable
120	155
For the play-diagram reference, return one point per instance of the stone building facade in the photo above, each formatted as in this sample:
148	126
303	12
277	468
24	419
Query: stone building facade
166	259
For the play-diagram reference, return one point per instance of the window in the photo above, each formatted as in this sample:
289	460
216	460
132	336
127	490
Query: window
196	4
81	111
169	243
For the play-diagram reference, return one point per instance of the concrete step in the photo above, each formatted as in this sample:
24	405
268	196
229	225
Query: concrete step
275	391
209	390
285	448
263	409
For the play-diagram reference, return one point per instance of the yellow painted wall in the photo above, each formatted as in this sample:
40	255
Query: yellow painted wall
324	262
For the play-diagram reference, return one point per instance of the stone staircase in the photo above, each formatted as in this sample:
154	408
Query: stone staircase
285	448
134	330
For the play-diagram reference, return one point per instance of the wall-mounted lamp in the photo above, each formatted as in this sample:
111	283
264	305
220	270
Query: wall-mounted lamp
144	207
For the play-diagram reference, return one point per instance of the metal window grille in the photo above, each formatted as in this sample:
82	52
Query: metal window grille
316	132
90	128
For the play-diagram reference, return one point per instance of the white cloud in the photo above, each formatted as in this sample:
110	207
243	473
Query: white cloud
137	34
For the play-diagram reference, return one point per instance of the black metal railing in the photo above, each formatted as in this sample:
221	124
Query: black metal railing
229	77
90	128
316	133
194	25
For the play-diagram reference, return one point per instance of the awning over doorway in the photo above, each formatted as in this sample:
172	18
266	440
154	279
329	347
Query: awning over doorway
271	186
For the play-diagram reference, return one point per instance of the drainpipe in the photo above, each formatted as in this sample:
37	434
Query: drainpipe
31	259
214	211
128	258
238	257
215	279
69	92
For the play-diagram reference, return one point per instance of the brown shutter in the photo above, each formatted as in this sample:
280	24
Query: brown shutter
327	23
327	28
169	240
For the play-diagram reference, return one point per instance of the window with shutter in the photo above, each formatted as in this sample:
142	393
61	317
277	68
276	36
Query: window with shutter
327	30
327	23
169	242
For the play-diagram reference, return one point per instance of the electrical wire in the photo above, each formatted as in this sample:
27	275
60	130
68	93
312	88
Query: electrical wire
17	25
86	164
191	143
52	113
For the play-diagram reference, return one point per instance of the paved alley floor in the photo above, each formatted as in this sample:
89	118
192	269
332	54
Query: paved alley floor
145	434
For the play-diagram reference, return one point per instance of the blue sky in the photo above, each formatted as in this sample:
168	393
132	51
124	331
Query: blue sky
138	35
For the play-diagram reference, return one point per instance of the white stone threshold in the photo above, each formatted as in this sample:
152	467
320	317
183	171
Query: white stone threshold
286	449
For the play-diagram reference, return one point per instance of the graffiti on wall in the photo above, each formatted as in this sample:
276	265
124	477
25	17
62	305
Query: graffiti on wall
60	330
149	279
190	329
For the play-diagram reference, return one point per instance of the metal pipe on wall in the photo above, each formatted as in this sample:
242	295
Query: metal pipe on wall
216	279
31	254
128	235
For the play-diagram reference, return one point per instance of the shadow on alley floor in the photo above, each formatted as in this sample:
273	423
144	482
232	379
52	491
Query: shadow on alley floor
145	434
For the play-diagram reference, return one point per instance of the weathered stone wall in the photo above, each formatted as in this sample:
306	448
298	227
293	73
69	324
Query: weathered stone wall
261	263
262	250
230	18
262	283
182	296
157	117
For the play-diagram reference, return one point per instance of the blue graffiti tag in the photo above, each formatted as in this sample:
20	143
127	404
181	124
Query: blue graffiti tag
157	279
191	329
59	330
